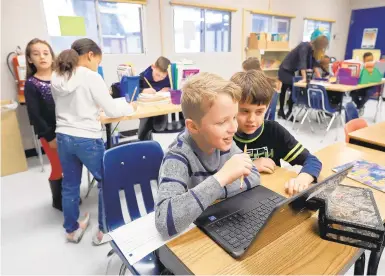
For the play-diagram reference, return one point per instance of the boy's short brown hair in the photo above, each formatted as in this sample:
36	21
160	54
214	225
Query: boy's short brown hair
162	64
200	92
256	87
251	63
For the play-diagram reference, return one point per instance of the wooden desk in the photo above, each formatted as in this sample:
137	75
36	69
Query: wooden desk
143	111
343	88
300	251
371	137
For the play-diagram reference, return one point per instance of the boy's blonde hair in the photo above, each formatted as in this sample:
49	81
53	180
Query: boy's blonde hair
251	63
256	87
200	92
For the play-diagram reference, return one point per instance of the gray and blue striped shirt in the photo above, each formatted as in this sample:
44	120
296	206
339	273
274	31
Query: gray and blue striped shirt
187	186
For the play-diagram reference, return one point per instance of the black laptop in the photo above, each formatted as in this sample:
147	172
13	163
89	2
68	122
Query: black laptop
257	217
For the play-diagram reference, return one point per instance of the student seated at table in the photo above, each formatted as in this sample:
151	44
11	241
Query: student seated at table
203	164
154	79
335	98
267	141
361	96
251	63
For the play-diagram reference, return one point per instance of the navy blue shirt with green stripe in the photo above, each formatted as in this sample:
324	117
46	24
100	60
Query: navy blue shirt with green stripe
273	141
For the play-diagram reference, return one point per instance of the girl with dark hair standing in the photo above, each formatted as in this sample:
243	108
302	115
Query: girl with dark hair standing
79	92
41	108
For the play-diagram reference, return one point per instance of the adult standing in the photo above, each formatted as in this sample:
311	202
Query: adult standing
304	56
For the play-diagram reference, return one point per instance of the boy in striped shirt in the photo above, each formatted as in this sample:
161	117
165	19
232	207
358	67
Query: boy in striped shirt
203	164
267	141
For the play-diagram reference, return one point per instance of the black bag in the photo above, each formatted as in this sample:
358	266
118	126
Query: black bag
115	87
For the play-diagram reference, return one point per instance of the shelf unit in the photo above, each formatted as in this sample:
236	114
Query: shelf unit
272	56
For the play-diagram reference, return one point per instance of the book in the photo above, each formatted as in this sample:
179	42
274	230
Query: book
370	174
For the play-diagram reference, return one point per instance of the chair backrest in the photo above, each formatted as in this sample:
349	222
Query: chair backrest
354	125
295	90
318	98
351	112
270	113
123	167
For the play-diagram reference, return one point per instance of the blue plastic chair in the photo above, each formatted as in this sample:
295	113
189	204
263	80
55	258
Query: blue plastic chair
270	113
351	112
298	95
318	100
123	167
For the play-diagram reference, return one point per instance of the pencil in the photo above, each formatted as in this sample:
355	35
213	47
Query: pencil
244	151
147	82
133	94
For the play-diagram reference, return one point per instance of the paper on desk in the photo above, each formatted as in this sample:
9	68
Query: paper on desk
323	83
139	238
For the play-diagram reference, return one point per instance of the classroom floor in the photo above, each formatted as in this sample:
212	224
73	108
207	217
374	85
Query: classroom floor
32	238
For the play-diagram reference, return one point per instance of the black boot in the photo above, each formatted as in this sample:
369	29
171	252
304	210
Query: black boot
56	193
281	114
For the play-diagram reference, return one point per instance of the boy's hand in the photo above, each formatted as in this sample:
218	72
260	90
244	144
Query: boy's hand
265	165
298	184
149	91
237	166
302	80
165	89
134	105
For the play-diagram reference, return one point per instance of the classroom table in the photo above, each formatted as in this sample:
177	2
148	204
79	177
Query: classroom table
300	251
143	111
349	88
371	137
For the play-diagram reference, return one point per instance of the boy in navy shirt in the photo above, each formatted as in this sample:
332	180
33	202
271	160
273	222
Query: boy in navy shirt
267	141
154	79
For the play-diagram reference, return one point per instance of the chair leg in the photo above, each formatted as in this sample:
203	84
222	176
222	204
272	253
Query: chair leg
309	120
329	126
296	114
123	269
90	186
359	267
374	261
38	149
303	119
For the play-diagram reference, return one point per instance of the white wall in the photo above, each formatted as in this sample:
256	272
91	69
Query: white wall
23	20
366	4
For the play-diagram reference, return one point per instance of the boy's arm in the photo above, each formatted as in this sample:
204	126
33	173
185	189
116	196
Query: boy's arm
178	206
295	153
248	182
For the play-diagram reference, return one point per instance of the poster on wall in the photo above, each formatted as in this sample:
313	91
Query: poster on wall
369	38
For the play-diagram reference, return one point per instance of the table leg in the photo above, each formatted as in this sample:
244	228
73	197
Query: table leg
108	135
359	267
378	109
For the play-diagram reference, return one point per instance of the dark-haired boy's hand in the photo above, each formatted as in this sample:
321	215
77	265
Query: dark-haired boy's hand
149	91
298	184
237	166
264	165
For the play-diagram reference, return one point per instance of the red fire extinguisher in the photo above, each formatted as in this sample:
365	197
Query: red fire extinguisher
17	67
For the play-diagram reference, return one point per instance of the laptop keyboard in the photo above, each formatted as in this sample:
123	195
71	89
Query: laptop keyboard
239	229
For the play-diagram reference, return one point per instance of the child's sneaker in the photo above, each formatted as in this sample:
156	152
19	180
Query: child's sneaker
77	235
100	238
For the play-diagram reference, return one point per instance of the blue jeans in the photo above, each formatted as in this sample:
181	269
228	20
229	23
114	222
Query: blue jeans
73	153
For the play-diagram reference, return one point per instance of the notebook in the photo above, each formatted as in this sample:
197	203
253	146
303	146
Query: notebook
367	173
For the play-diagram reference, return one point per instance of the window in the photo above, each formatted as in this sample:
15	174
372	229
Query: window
201	30
311	25
270	24
117	27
